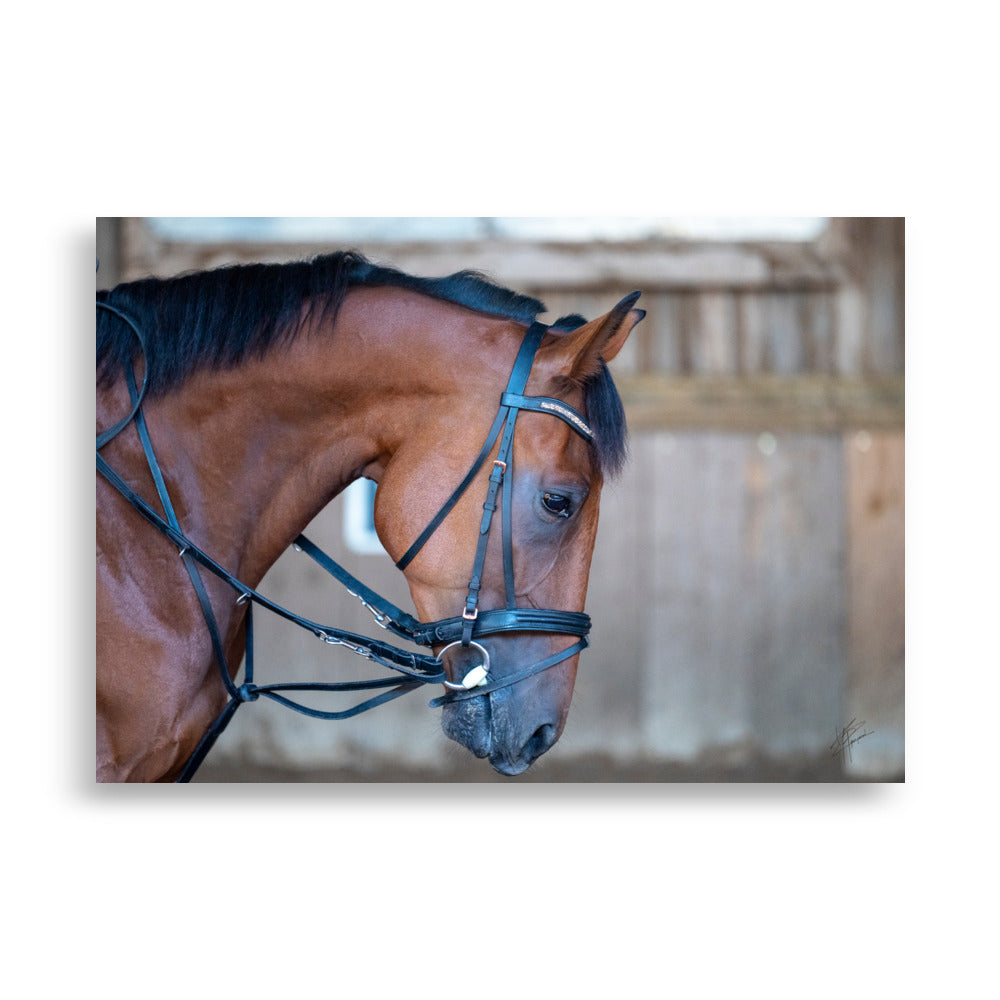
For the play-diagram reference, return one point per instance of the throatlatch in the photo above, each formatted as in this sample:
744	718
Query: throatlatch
457	633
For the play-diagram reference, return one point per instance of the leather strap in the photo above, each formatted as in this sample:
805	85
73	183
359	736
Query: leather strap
411	664
447	506
385	613
509	679
515	384
500	620
105	436
190	565
555	407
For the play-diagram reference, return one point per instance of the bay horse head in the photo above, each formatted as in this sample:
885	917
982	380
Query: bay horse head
266	390
552	471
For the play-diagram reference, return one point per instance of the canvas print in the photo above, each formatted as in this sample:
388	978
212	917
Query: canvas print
500	500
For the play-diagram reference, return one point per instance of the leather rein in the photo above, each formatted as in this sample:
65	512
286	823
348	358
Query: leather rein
458	633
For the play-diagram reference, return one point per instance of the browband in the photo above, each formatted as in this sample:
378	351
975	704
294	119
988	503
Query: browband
545	404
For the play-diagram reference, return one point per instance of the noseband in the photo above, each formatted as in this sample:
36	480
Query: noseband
458	634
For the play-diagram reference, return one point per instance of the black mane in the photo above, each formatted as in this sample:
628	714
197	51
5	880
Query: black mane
605	411
219	318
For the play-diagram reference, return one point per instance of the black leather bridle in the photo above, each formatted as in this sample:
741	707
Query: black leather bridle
458	634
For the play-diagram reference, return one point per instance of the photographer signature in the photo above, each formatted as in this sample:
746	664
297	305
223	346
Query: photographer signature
848	736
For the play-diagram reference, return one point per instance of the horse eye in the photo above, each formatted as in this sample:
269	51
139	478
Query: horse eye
556	503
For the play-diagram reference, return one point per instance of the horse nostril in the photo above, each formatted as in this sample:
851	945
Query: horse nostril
540	741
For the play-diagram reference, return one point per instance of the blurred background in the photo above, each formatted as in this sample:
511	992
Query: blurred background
747	590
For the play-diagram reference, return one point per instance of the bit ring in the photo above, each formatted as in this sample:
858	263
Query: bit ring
476	676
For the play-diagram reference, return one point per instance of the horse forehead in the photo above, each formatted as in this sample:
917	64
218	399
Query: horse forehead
552	443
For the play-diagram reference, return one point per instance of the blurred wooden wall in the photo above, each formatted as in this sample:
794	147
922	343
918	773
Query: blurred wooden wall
748	583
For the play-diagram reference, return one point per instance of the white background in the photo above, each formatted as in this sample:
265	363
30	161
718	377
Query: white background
525	110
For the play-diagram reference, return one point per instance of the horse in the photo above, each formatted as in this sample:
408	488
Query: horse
265	390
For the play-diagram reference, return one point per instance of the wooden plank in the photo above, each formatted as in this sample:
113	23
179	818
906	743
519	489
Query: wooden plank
793	592
743	646
688	318
762	402
785	334
605	716
874	465
852	318
714	349
651	265
108	252
820	332
693	675
752	339
885	291
663	319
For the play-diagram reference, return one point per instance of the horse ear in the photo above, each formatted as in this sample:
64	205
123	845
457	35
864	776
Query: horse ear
577	354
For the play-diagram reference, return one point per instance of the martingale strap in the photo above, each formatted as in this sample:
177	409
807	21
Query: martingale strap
416	669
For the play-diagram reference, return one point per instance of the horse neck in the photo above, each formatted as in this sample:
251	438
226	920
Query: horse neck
254	453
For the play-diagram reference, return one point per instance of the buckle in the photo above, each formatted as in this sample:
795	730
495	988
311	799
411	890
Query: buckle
470	617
